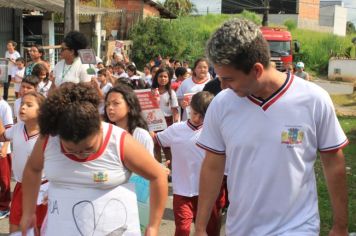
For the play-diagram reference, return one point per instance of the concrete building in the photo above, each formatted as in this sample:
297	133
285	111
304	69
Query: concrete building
333	17
342	69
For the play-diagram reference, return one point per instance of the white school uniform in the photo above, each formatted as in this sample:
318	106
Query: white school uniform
270	148
105	89
187	157
76	72
43	87
13	56
22	145
189	86
166	104
17	75
6	118
92	179
144	137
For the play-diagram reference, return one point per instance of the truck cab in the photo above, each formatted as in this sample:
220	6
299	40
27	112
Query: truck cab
280	44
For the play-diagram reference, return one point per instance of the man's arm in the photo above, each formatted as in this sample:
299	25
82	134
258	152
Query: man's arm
335	175
211	176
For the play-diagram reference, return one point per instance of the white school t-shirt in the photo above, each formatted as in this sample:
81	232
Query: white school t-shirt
166	104
12	56
22	145
76	72
44	87
270	148
105	89
187	157
6	118
16	74
144	137
189	86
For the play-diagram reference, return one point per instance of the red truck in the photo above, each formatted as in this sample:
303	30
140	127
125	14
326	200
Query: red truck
280	43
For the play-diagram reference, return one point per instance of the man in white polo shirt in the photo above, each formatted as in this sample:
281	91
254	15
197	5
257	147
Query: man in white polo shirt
268	127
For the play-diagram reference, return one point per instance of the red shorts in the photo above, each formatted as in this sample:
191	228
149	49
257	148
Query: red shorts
16	208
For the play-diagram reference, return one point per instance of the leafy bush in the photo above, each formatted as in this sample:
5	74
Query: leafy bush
290	24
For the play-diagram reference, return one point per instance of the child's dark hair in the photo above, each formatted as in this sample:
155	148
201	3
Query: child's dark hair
32	80
153	68
21	59
102	72
135	118
75	41
38	68
120	65
13	43
200	102
132	68
38	96
71	112
180	71
168	85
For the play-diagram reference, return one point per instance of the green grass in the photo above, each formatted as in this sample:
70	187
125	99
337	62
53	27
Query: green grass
349	126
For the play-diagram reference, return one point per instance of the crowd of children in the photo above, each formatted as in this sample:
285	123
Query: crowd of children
115	85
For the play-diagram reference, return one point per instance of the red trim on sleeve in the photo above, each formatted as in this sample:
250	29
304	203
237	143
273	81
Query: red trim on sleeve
206	148
334	150
122	140
8	126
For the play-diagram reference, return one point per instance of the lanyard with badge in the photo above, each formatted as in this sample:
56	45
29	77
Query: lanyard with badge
65	71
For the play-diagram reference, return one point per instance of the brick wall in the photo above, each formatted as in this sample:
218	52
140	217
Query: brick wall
309	9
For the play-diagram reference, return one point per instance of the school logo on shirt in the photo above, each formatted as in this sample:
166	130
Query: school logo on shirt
100	177
292	136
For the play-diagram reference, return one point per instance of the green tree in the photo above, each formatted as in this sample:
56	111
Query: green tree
152	36
180	7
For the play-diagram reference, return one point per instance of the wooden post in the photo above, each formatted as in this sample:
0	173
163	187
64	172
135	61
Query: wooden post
71	16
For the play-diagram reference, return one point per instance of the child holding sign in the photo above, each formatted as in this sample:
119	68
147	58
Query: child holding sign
168	103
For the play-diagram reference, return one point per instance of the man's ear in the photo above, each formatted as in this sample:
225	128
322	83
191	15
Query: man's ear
258	70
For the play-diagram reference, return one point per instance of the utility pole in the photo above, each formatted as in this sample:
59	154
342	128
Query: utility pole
71	16
265	13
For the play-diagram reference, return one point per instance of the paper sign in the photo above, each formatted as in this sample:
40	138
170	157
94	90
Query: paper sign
87	56
142	189
3	70
43	193
150	110
92	211
188	99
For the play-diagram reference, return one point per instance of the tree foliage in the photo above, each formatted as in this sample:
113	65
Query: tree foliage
180	7
153	36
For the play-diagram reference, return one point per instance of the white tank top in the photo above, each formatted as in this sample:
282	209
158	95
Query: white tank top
84	195
103	169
